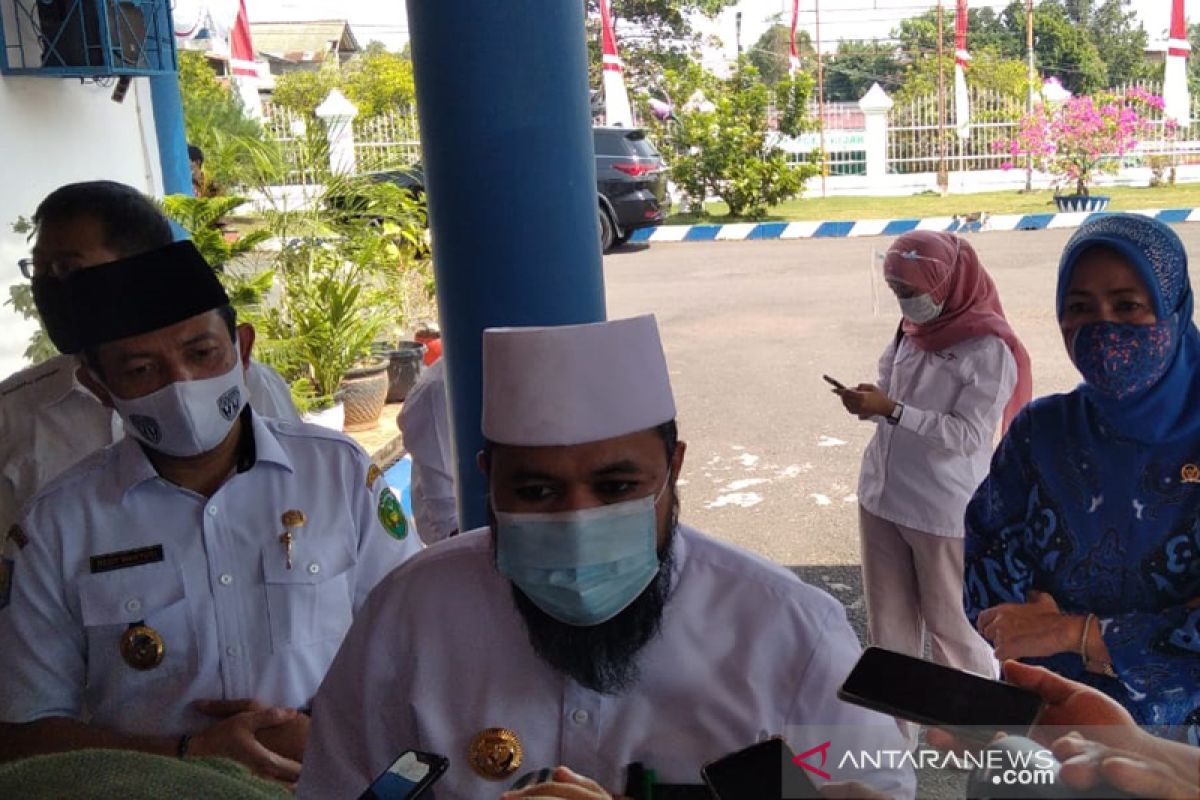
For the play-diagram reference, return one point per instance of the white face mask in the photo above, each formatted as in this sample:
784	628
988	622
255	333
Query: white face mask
186	418
919	309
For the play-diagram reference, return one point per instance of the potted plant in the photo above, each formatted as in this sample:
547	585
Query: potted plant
1081	138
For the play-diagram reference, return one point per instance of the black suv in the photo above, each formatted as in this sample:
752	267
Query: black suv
631	183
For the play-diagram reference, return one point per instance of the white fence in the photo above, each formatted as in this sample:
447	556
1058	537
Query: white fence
383	142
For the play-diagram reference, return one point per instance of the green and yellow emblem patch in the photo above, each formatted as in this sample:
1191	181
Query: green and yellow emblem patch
391	515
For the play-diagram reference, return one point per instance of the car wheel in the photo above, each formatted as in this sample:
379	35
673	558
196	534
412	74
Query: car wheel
622	239
608	232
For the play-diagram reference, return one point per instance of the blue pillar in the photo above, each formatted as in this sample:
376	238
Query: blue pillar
506	139
172	141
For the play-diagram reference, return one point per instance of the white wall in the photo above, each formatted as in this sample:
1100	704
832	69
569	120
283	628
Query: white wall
55	131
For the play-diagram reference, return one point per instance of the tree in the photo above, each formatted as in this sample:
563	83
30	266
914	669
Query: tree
653	36
215	121
376	81
1065	50
857	65
770	55
723	145
988	69
1121	42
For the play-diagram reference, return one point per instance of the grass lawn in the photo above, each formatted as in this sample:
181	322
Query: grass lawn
933	205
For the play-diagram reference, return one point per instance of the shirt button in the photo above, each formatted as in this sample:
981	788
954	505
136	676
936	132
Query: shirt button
231	650
314	568
225	579
579	716
212	511
133	605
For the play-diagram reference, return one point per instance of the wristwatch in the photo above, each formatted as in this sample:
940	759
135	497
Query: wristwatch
897	412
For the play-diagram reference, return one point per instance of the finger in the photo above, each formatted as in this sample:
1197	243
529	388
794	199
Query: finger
564	774
1051	687
227	708
1145	779
1071	745
269	717
985	618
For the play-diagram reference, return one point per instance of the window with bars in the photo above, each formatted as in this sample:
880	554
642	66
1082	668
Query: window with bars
86	38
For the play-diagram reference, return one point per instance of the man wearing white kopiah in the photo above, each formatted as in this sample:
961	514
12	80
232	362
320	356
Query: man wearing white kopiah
182	591
585	627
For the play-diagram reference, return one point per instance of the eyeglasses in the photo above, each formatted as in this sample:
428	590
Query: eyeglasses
26	265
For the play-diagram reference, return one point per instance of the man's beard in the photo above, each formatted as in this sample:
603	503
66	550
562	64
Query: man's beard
602	657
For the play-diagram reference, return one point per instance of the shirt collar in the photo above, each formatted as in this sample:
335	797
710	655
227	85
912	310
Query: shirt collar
134	468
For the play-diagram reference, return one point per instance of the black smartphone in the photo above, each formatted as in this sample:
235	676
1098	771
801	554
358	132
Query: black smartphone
408	777
928	693
834	383
762	770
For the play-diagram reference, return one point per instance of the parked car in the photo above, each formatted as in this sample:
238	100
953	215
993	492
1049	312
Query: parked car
631	183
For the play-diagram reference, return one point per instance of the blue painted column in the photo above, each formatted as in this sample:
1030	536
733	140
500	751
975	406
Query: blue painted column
172	141
506	139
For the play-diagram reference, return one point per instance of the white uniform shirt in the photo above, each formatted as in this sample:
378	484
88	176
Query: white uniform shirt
440	653
922	471
424	421
48	422
235	622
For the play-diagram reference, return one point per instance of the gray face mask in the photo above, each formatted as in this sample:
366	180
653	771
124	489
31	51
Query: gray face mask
919	309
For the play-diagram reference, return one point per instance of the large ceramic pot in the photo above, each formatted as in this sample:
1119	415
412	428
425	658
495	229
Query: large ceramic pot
1081	202
404	365
364	392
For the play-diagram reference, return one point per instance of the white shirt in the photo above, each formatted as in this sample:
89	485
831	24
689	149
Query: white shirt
440	653
235	622
426	427
49	421
922	471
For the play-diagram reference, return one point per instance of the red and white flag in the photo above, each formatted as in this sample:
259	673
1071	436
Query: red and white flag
616	100
793	55
962	100
1176	102
241	63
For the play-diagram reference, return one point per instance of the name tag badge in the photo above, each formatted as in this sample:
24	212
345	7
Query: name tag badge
124	559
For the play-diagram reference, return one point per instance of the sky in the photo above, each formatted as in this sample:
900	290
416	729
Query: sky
387	21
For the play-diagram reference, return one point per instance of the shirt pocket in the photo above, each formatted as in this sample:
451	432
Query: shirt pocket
152	595
312	601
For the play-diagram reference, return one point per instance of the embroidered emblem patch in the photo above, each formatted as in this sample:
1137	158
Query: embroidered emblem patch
147	427
373	474
391	515
1190	473
230	403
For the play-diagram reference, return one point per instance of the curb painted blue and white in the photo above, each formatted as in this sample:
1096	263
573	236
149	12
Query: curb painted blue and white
744	231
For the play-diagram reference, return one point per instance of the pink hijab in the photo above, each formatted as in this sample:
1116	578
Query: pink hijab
947	267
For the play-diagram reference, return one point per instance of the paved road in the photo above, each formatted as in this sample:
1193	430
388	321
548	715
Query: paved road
749	327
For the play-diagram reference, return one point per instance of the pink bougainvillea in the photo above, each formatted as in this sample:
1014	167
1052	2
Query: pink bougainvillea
1084	136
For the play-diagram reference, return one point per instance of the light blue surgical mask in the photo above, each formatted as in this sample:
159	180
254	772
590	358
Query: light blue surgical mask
581	567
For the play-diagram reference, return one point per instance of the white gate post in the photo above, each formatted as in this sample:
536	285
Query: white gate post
338	113
875	105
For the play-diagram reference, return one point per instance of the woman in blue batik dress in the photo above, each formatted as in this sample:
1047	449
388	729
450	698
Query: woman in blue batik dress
1083	543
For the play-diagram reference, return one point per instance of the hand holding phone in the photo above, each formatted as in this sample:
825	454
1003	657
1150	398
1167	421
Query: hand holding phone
836	384
931	694
762	770
408	777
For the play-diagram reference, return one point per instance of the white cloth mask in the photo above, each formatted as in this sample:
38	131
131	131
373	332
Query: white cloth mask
919	309
186	418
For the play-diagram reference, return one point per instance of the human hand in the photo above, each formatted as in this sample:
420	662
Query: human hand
288	739
1072	706
235	736
1087	763
851	790
865	401
564	784
1035	628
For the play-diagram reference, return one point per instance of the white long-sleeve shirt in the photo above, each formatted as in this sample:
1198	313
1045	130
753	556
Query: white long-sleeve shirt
921	472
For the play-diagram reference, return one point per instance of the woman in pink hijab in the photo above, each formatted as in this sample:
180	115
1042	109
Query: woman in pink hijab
954	372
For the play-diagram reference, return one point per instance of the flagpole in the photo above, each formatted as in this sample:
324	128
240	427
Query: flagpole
821	97
942	178
1029	92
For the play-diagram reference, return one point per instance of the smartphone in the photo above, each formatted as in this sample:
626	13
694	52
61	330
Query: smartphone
762	770
408	777
921	691
834	383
